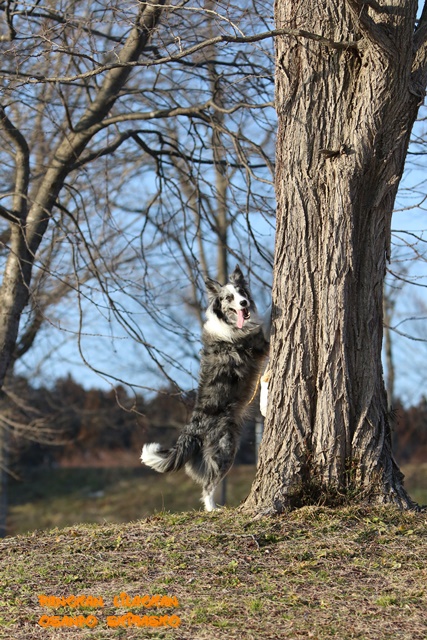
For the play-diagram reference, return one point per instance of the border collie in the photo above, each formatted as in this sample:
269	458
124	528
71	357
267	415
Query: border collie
234	350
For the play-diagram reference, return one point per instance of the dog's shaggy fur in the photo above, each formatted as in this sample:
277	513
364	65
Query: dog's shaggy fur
234	349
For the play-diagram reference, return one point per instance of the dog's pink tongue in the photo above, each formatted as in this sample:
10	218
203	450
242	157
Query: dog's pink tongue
240	318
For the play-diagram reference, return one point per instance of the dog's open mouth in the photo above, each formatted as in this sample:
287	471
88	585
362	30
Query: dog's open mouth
242	316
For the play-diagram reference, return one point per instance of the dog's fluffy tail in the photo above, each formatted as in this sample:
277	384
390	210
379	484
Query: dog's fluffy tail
164	460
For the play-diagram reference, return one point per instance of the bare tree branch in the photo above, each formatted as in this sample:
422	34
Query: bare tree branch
419	67
67	130
73	145
7	215
374	32
22	164
421	31
11	33
222	39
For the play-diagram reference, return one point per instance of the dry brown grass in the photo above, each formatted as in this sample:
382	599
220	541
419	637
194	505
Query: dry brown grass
315	573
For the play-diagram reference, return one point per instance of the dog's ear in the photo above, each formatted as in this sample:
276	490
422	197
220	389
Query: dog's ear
237	277
213	288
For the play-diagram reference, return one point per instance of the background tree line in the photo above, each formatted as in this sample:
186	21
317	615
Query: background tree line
68	425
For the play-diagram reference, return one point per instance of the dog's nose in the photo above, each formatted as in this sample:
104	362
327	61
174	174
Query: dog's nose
243	303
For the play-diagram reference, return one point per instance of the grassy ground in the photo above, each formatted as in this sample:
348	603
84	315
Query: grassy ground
63	497
315	573
416	481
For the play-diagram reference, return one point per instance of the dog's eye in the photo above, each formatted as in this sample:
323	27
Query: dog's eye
229	298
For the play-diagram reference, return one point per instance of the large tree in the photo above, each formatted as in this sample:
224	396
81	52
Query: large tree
347	95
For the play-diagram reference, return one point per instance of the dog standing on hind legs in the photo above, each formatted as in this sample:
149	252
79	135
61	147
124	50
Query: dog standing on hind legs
234	350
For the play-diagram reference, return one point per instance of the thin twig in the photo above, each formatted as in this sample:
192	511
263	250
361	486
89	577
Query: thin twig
223	39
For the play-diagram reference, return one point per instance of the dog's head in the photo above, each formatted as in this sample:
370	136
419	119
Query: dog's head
231	303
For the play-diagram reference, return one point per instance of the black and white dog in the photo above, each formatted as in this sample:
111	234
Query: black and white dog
234	350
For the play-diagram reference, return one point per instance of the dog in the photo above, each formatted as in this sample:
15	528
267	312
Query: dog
235	347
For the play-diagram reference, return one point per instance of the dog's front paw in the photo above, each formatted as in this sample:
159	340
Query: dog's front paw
263	399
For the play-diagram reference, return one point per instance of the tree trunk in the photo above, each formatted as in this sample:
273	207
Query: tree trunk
345	114
4	478
388	351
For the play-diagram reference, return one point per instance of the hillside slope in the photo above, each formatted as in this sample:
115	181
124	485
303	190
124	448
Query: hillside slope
315	573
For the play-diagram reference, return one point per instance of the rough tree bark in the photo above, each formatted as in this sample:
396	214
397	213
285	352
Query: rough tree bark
345	115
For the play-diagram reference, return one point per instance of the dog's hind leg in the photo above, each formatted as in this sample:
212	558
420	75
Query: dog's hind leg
209	488
208	498
207	475
218	459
